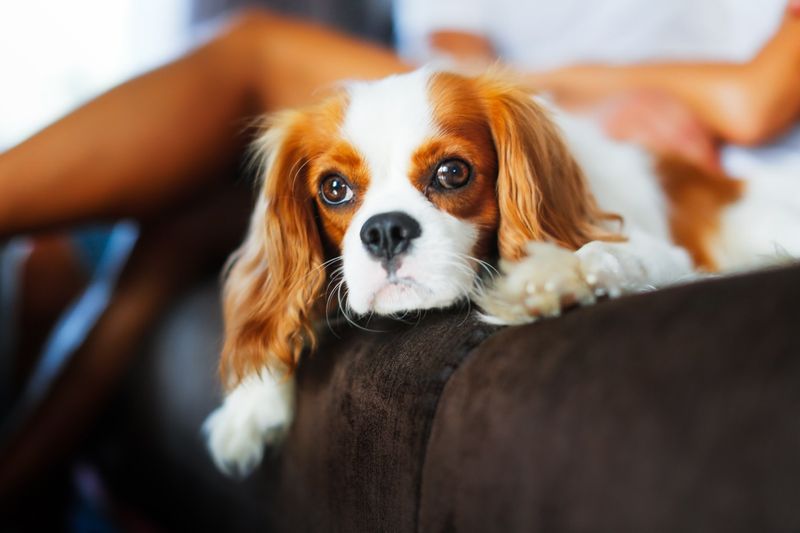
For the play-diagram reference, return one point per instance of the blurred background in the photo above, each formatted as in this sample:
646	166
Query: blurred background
56	55
50	54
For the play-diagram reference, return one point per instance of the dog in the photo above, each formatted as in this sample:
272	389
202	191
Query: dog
407	193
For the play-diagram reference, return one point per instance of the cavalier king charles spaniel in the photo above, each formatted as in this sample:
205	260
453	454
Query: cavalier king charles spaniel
424	189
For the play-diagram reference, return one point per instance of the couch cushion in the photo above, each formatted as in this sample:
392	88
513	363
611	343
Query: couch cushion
675	410
353	459
672	411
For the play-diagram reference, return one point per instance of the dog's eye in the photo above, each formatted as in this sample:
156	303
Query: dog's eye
335	190
452	174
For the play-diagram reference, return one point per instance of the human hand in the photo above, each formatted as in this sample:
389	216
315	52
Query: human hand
660	123
469	51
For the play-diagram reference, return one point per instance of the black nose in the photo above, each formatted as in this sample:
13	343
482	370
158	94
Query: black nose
389	234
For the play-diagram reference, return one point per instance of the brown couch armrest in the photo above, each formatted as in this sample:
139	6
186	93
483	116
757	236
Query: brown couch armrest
672	411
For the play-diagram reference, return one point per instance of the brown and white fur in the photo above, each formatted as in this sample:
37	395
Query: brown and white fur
570	214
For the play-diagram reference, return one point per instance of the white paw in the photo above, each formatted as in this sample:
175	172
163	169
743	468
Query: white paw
254	414
601	270
546	281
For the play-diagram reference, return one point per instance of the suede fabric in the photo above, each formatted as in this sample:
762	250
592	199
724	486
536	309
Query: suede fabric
353	459
677	410
673	411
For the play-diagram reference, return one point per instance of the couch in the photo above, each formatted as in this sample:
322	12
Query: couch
676	410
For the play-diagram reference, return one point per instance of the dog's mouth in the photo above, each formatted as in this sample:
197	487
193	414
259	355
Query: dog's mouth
398	294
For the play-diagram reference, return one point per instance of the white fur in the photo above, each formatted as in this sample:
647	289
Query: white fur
764	227
622	180
761	228
434	272
386	122
620	174
256	412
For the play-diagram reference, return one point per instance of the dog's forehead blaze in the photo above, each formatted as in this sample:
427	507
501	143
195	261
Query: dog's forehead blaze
457	107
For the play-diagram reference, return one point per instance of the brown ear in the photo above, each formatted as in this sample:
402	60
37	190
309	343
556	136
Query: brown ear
541	190
275	278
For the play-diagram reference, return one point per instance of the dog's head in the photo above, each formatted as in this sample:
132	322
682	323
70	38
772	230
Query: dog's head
398	188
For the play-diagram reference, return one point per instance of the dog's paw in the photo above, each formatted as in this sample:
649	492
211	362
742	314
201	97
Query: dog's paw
601	270
254	414
546	281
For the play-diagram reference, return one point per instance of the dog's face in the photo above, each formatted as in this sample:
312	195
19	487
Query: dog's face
408	194
408	182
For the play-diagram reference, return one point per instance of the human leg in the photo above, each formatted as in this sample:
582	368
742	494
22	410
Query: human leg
164	135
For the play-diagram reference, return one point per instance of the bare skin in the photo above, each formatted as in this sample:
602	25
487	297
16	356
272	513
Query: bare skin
746	103
199	105
53	277
681	108
169	142
164	135
163	148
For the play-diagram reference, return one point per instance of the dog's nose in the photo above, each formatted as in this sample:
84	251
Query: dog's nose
389	234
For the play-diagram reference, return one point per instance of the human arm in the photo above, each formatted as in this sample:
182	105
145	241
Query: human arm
745	103
176	133
169	133
652	118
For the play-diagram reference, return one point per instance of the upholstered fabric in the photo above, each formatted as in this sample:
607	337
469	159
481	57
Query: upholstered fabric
677	410
369	400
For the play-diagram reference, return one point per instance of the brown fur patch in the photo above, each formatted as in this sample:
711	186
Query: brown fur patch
325	153
525	187
696	198
273	287
541	192
342	159
463	133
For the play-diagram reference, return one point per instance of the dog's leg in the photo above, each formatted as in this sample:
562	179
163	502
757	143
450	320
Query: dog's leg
638	264
255	413
551	278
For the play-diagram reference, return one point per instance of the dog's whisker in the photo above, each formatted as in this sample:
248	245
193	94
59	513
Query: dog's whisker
485	265
458	265
351	320
335	276
330	261
343	305
294	172
326	264
328	303
466	296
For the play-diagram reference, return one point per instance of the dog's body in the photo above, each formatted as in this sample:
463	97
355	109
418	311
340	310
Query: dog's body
417	181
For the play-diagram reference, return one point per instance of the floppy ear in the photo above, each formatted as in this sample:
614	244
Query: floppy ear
274	279
542	193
